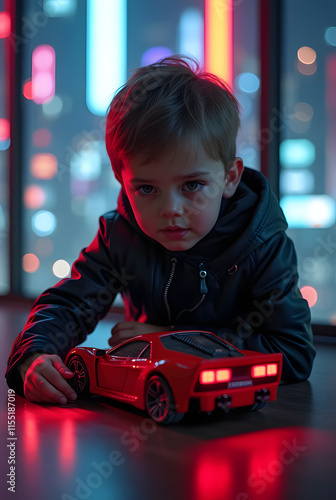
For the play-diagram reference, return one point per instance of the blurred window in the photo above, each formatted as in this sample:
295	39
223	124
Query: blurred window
308	147
5	29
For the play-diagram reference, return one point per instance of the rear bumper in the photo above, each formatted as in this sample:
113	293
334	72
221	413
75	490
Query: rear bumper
237	397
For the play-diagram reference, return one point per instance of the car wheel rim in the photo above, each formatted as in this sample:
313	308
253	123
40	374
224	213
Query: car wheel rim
157	401
79	378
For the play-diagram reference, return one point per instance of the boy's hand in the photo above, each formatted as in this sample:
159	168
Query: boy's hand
128	329
43	379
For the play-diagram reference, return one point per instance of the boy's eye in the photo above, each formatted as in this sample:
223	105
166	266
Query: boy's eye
146	189
193	186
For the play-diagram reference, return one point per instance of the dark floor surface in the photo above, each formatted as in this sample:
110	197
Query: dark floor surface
98	449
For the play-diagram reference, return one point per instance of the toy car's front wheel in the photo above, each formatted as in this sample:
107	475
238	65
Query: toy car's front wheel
80	381
160	402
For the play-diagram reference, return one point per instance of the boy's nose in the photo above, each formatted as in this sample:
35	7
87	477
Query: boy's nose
172	206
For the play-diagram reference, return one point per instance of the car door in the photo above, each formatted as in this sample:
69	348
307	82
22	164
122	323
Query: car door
138	365
113	367
111	372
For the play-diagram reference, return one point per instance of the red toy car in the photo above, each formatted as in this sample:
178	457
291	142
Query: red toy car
162	373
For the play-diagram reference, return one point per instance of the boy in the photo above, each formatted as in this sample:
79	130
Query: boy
196	242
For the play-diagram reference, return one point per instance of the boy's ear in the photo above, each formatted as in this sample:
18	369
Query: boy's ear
233	177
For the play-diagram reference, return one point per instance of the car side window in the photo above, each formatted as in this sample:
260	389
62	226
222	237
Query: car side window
132	349
146	353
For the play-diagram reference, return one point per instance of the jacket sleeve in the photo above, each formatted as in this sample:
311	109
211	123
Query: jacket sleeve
63	315
275	318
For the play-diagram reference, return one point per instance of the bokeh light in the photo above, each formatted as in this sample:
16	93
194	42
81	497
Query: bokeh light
306	69
298	153
297	182
57	8
43	223
43	165
86	165
310	294
27	89
309	211
4	129
306	55
61	268
43	73
303	111
330	35
248	82
41	138
30	263
153	54
53	108
34	197
5	24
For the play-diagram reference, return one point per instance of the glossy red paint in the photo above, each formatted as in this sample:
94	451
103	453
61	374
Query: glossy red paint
133	371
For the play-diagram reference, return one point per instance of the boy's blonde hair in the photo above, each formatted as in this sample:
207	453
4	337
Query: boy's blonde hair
170	101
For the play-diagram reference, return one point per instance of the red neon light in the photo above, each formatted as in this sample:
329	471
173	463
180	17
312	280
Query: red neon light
4	129
5	24
43	74
27	89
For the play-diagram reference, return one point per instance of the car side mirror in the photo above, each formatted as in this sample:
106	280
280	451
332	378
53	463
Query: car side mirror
100	352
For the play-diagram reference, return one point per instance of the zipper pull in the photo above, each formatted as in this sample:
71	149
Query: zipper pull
203	273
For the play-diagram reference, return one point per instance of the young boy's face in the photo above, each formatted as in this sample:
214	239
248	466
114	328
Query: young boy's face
176	199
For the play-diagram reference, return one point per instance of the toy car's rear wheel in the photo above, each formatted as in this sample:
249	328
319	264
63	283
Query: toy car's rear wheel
80	381
160	402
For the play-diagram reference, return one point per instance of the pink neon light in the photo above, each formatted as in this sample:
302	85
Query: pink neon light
43	74
5	24
4	129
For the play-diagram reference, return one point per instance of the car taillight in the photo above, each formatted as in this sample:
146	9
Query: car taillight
258	371
215	376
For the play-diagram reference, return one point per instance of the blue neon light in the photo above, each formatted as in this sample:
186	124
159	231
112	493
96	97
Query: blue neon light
309	211
106	64
297	153
191	34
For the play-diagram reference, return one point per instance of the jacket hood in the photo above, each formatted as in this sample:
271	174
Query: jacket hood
245	220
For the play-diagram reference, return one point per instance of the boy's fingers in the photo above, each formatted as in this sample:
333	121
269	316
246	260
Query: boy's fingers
48	391
50	384
51	393
62	369
57	381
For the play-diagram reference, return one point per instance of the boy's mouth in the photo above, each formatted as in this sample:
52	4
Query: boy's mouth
175	232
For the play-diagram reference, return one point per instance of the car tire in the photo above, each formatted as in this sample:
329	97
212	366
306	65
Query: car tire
80	381
160	402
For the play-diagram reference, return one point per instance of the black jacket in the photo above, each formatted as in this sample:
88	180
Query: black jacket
249	295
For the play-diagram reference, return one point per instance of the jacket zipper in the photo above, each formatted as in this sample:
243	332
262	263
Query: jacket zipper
203	289
203	273
173	261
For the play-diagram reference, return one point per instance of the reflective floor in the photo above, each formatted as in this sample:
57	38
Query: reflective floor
101	450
